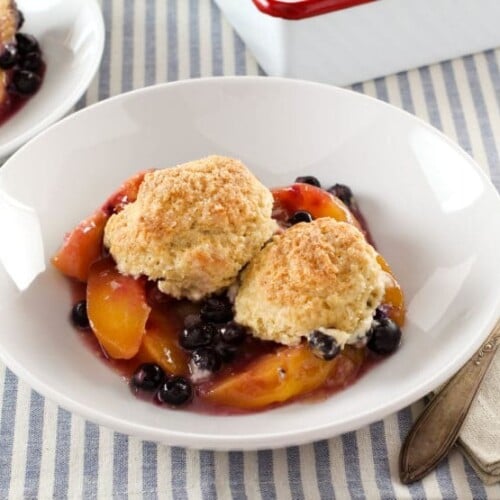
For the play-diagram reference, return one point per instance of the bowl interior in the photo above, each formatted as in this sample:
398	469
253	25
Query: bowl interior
432	212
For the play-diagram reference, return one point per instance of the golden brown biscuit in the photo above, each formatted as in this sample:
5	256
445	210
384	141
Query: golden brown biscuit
193	227
315	275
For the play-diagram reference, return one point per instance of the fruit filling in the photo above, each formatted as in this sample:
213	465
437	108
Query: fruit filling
211	292
21	63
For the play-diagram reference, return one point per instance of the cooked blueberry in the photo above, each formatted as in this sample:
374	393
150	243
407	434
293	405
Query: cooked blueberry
148	377
380	313
217	310
20	19
32	61
25	82
79	315
175	391
9	56
197	335
308	179
226	352
385	336
322	345
300	216
342	192
206	358
26	43
233	333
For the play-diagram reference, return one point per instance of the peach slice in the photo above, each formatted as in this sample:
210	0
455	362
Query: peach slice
117	309
160	344
316	201
83	245
393	298
285	374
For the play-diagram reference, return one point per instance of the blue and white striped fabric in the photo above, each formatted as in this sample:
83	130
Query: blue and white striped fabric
46	452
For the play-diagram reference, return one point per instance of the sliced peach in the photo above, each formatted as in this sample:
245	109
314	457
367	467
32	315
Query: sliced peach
83	245
316	201
285	374
117	309
160	344
393	298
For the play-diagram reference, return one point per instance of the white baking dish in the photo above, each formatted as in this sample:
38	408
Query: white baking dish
364	41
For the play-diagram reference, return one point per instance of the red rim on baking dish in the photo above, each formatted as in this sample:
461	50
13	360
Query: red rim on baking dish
299	9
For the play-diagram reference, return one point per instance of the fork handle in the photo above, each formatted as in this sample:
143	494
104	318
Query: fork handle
436	429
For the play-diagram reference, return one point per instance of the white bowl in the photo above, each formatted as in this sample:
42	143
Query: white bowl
71	34
432	212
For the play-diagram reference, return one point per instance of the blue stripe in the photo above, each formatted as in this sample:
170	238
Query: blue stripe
482	116
34	447
236	475
216	35
7	422
456	106
351	465
405	423
150	43
381	89
323	474
63	445
266	474
358	87
430	97
179	479
90	460
173	58
444	480
149	469
491	61
128	45
475	484
382	471
294	474
405	91
207	475
194	38
240	64
104	70
120	464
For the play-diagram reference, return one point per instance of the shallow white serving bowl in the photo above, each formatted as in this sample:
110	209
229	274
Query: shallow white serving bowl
71	34
433	213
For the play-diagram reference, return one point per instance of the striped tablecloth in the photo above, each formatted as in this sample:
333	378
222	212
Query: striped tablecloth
47	452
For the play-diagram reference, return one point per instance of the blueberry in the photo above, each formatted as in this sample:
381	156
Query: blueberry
226	352
380	313
32	61
9	56
233	333
217	310
322	345
25	82
197	335
342	192
175	391
148	377
26	43
20	19
384	336
79	315
308	179
300	216
206	358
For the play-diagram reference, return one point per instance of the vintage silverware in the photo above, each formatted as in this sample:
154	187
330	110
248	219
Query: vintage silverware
437	428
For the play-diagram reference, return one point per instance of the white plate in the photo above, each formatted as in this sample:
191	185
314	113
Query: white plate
71	34
433	213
